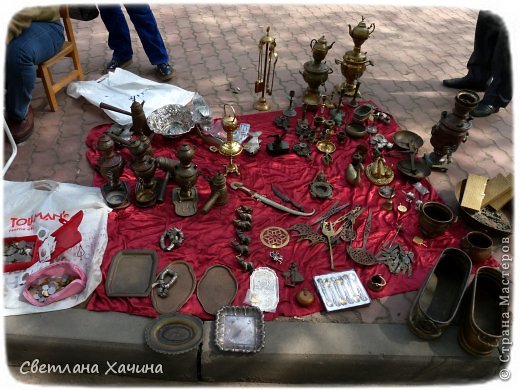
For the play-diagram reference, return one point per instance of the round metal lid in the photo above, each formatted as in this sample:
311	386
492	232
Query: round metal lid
173	334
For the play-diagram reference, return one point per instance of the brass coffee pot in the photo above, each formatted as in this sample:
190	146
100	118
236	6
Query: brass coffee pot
315	73
354	62
230	148
451	130
144	167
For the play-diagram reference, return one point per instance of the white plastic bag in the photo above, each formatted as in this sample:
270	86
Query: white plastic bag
28	206
120	87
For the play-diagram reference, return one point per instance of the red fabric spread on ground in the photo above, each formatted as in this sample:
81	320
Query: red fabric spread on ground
208	237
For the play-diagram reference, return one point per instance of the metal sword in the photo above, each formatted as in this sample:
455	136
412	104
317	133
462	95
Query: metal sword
236	185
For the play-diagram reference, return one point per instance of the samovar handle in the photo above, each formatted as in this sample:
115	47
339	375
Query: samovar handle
373	27
315	42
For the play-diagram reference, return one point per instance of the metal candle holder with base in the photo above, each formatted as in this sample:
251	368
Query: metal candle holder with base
451	130
267	59
230	148
355	61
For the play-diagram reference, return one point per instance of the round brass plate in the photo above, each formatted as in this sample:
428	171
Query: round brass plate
230	148
326	147
274	237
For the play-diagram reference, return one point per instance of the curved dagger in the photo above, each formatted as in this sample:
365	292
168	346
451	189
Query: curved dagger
236	185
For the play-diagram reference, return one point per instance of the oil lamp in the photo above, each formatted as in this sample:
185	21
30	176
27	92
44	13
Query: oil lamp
451	130
267	58
355	61
230	148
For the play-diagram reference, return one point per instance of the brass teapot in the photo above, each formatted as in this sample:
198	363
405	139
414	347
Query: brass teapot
360	33
320	49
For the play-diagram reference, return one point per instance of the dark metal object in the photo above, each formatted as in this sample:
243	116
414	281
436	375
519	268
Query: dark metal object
282	122
302	149
290	111
179	292
175	236
278	147
174	334
110	165
292	275
376	283
440	295
143	167
217	287
246	265
239	186
403	138
330	212
285	198
452	129
131	273
165	281
320	187
362	255
435	218
219	193
305	232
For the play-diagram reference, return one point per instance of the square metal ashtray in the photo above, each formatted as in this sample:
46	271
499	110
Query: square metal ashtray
240	329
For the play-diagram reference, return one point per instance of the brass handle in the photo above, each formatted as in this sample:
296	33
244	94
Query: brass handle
232	109
315	42
114	108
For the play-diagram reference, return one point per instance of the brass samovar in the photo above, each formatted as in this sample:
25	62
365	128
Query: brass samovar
451	130
316	72
355	61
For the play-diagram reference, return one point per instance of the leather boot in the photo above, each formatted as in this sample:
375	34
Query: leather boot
22	129
440	295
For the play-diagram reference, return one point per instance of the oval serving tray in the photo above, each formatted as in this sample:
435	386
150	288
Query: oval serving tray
181	290
174	333
216	288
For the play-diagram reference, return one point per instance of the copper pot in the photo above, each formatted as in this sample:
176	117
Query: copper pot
477	245
435	218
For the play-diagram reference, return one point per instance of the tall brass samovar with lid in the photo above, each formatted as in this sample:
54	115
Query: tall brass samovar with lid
316	72
355	61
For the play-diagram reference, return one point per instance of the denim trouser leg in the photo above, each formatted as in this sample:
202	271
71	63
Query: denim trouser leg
146	26
118	32
39	42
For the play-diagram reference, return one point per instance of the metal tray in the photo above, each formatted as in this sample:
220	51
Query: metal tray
263	286
341	290
171	120
402	139
217	287
240	329
131	273
174	333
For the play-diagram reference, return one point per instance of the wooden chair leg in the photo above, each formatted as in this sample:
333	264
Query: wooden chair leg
47	85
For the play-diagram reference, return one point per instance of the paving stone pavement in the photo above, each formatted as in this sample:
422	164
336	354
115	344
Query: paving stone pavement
214	46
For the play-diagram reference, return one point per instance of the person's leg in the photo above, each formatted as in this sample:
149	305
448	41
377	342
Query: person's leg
118	32
149	34
37	43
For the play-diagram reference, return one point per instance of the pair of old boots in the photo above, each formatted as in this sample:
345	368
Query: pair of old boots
444	291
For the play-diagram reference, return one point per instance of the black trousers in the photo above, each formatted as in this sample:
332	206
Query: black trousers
491	59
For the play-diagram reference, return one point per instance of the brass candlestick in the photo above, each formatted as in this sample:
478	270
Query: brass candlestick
316	72
230	148
267	59
355	61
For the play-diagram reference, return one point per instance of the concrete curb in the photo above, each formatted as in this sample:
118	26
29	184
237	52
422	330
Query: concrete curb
294	352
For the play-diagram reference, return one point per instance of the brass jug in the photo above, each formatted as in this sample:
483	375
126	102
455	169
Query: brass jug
320	49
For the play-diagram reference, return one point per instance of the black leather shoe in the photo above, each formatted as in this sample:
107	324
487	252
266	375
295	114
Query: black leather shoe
22	130
483	110
465	83
164	71
112	65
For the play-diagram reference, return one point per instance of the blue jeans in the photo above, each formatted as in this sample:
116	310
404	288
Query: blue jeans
146	27
39	42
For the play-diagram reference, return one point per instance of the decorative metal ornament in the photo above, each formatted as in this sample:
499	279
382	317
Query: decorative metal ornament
302	149
379	172
267	59
175	236
320	188
274	237
263	289
171	120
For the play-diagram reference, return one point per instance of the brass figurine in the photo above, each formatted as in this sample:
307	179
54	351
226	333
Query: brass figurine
230	148
316	72
267	59
355	61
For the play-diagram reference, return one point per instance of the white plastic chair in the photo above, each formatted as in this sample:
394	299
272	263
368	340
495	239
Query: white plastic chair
14	149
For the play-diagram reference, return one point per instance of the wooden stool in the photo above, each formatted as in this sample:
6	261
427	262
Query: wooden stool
69	49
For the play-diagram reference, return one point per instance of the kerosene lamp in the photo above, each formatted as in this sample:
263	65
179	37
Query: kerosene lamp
230	148
316	72
355	61
267	58
451	130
